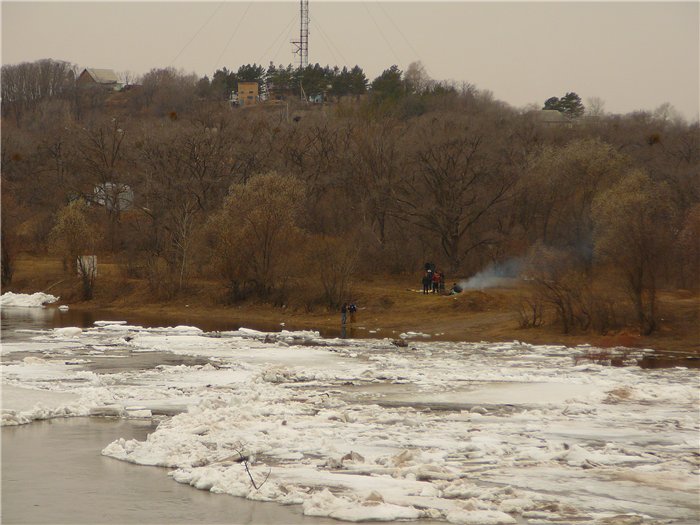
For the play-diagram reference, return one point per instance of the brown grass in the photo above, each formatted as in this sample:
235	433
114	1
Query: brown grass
391	304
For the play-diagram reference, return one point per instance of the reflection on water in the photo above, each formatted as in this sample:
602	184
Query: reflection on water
13	318
53	472
669	361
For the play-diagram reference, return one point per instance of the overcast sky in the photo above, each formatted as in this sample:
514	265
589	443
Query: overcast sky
633	55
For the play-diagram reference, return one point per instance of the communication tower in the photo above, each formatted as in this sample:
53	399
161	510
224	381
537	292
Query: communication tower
302	45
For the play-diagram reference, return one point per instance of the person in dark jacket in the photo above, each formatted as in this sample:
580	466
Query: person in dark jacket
426	282
352	309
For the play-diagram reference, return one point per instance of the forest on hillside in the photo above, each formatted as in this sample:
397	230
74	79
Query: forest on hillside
300	200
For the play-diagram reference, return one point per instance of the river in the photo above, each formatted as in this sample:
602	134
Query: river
465	432
53	471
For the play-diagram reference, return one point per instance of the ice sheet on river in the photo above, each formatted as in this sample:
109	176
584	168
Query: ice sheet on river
362	429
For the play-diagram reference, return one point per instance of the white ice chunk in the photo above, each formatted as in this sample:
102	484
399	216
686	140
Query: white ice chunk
68	331
35	300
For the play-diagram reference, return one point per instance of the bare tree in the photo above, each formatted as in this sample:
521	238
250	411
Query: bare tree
633	222
454	186
26	84
595	107
558	188
126	78
102	171
333	261
168	91
186	171
376	163
74	237
255	236
689	249
416	78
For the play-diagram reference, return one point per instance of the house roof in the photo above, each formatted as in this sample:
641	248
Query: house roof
552	116
103	76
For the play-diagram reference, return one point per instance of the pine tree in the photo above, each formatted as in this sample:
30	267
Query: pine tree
570	105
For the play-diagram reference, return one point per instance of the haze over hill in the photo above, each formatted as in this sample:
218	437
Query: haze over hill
631	55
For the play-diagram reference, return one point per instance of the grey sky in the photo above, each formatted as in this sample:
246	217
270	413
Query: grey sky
633	55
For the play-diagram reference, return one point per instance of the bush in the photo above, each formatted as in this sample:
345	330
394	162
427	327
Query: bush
530	312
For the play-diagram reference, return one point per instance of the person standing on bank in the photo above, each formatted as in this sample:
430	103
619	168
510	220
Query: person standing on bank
343	313
352	309
436	281
426	283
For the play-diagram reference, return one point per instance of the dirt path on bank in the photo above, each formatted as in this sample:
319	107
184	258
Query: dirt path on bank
388	306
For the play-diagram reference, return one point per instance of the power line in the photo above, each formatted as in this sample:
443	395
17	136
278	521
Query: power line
285	30
289	36
330	44
240	21
197	33
335	59
398	60
398	29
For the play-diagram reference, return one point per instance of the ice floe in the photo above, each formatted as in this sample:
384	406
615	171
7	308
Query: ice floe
365	430
35	300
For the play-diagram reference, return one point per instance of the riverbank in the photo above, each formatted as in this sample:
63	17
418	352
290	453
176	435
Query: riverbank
388	307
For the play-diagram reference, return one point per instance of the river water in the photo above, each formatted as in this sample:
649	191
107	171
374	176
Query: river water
53	472
14	320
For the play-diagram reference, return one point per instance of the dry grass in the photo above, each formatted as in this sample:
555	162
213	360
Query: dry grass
391	304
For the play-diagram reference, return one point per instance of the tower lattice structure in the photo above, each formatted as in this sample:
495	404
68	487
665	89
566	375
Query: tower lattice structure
302	45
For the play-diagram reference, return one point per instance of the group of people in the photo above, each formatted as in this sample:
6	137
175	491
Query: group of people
345	310
433	280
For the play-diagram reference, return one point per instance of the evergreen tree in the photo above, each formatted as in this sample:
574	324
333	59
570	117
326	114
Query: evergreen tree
570	105
389	84
280	81
358	81
316	79
251	73
552	103
223	83
204	87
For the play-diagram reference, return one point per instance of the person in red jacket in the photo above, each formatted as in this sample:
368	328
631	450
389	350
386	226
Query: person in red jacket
436	281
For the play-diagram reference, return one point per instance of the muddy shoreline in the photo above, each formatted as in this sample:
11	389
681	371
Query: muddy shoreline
388	307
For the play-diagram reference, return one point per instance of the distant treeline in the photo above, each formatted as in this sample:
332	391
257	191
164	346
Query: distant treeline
28	84
290	203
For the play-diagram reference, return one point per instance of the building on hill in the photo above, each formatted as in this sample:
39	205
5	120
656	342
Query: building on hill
553	117
99	77
248	94
114	196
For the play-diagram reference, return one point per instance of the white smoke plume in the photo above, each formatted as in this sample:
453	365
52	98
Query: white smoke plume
493	275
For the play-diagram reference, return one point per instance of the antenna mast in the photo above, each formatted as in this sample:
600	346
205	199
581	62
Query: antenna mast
302	45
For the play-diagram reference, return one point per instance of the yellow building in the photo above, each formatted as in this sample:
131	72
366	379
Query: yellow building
248	93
